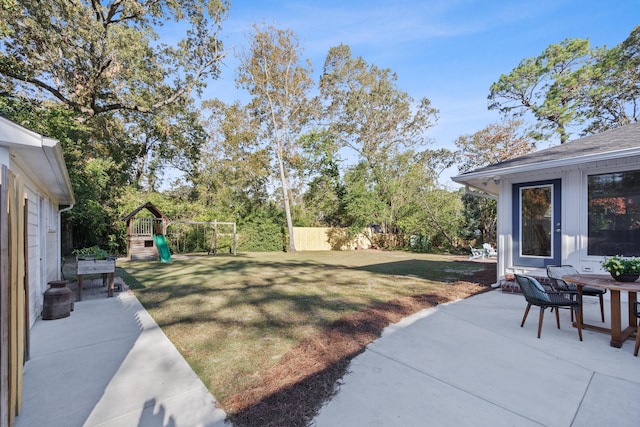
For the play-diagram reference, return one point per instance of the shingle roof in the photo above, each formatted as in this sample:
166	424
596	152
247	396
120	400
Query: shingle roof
618	139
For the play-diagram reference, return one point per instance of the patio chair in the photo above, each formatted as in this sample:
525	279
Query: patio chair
537	295
555	273
476	253
489	250
636	309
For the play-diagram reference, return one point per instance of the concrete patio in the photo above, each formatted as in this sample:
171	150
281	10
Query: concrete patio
469	363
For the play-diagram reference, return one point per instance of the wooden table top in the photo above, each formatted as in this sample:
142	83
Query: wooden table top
602	281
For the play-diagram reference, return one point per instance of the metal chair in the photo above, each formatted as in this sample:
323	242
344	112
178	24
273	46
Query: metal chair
490	251
476	253
537	295
555	273
636	309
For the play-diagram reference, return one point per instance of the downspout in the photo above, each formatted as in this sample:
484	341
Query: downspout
59	244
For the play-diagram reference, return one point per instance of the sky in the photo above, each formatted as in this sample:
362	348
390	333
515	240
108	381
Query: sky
449	51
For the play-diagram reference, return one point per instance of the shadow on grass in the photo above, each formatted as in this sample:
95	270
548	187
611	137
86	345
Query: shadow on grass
424	269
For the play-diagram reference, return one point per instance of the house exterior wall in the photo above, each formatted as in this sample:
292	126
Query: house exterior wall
43	243
574	221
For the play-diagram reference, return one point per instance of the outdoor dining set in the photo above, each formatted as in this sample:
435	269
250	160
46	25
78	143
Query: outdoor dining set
567	288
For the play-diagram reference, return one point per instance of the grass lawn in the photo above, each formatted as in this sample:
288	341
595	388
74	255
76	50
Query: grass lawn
235	318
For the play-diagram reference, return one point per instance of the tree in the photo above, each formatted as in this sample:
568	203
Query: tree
366	110
493	144
171	137
97	57
549	86
324	196
272	72
368	113
613	96
234	169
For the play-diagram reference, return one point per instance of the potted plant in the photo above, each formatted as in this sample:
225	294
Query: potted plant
622	269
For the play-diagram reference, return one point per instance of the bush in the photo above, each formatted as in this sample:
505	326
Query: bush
420	243
260	234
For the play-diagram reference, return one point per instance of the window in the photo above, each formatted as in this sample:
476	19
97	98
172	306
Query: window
614	214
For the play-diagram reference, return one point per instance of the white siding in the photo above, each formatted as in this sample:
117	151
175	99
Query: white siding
41	259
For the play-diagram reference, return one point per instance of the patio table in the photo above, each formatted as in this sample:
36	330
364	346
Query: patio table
618	334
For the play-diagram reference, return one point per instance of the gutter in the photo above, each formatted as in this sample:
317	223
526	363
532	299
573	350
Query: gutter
474	192
68	208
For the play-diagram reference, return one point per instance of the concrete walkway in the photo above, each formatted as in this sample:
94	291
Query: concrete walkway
469	363
109	364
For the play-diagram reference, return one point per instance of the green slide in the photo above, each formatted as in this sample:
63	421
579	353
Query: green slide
163	248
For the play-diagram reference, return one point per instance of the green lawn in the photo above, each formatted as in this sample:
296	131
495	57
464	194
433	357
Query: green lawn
234	317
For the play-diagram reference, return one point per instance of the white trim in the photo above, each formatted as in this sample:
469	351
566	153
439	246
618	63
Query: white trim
570	161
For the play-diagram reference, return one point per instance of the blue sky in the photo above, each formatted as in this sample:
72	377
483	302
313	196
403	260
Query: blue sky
449	51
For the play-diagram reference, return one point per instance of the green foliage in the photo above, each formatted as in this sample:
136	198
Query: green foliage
479	213
95	252
495	143
419	243
549	86
613	97
102	57
260	233
618	265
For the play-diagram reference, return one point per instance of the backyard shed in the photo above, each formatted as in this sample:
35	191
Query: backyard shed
573	203
34	190
143	223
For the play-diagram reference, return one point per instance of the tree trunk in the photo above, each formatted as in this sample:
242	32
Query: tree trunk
285	200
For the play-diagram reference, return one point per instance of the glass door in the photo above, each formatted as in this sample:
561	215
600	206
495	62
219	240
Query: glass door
537	230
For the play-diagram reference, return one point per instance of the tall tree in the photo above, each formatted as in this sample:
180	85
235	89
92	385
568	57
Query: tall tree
102	56
368	113
549	86
273	72
613	96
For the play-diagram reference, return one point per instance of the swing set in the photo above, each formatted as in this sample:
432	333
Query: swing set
202	236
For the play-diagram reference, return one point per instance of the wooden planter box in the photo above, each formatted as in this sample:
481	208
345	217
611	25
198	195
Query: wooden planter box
95	266
106	267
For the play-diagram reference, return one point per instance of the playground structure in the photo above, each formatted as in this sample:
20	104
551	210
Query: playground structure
202	236
148	237
141	243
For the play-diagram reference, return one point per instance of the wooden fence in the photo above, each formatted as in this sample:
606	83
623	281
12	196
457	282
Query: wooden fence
13	295
327	239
